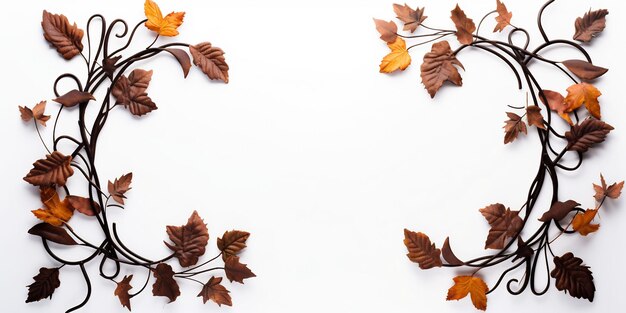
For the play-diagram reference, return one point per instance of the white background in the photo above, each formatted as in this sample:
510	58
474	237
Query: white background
323	159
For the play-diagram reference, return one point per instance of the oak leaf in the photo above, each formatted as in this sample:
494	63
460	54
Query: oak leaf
210	60
421	250
559	210
465	27
237	271
503	18
582	222
388	30
397	59
119	187
55	211
513	126
448	255
556	102
165	285
52	233
474	286
189	240
84	205
232	242
131	92
54	169
590	25
45	283
573	277
504	224
439	66
584	70
412	18
583	93
36	113
533	114
121	291
613	191
73	98
215	292
582	136
65	37
164	26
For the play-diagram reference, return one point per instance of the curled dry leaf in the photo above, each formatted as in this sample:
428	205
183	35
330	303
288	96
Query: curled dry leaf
533	114
448	255
583	93
465	27
183	59
504	17
421	250
504	224
582	222
237	271
164	26
397	59
55	211
573	277
45	283
121	291
189	240
513	126
613	191
131	92
165	285
36	113
54	169
108	65
73	98
412	18
584	70
439	66
65	37
52	233
84	205
232	242
474	286
556	102
214	291
559	210
388	30
583	136
590	25
210	60
119	187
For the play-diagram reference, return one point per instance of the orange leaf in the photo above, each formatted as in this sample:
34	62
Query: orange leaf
465	27
387	30
55	211
474	286
586	94
503	18
397	59
164	26
582	222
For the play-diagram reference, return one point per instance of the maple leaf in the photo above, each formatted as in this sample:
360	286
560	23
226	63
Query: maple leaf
131	92
582	222
573	277
232	242
164	26
504	223
584	70
165	285
556	102
52	233
412	18
210	60
590	25
583	93
439	66
74	97
189	240
45	283
84	205
119	187
215	292
613	191
421	250
397	59
65	37
559	210
513	126
121	291
36	113
533	114
465	27
503	18
474	286
236	271
55	211
388	30
591	131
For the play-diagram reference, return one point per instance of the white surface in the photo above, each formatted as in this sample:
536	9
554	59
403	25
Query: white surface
320	157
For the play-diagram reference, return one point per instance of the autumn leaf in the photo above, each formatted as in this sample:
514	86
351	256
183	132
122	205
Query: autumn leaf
613	191
164	26
131	92
183	59
73	98
54	169
556	102
439	66
582	222
165	285
387	30
55	211
121	291
573	277
421	250
412	18
45	283
523	250
584	70
504	224
52	233
108	65
590	25
397	59
36	113
503	18
210	60
84	205
474	286
65	37
559	210
232	242
215	292
583	93
464	26
189	240
236	271
513	126
448	255
583	136
119	187
534	117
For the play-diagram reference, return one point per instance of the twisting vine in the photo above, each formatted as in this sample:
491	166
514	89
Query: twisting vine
107	68
531	251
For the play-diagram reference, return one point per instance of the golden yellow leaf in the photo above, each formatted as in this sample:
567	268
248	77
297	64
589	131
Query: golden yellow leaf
55	211
474	286
583	93
582	222
164	26
398	58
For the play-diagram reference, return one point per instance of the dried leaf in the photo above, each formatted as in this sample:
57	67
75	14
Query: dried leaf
464	26
504	223
582	222
503	18
84	205
573	277
412	18
513	126
73	98
189	240
210	60
45	283
421	250
164	26
387	30
215	292
474	286
397	59
236	271
183	59
54	169
533	114
559	210
55	212
438	67
65	37
448	255
523	250
121	291
232	242
584	70
556	102
613	191
36	113
590	132
583	93
52	233
131	92
165	285
108	65
120	186
590	25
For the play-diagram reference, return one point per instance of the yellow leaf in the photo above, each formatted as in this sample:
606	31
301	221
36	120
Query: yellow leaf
474	286
582	222
398	58
164	26
56	212
583	93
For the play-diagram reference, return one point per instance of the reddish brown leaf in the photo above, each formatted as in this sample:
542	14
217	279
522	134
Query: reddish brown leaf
121	291
504	224
523	250
36	113
236	271
613	191
210	60
448	255
464	26
474	286
590	25
65	37
583	136
52	233
388	30
189	240
584	69
421	250
573	277
559	210
45	283
183	59
439	66
504	17
165	285
533	114
513	126
232	242
84	205
215	292
556	102
412	18
55	211
54	169
119	187
131	92
582	222
108	65
73	98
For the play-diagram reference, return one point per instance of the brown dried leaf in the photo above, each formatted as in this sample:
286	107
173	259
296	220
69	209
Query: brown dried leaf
556	102
108	65
448	255
232	242
387	30
54	169
412	18
613	191
533	114
65	37
504	223
503	18
590	25
73	98
582	222
421	250
189	240
583	93
215	292
474	286
36	113
523	250
120	186
52	233
131	92
183	59
45	283
513	126
121	291
584	136
210	60
465	27
165	285
573	277
438	67
559	210
236	271
584	69
84	205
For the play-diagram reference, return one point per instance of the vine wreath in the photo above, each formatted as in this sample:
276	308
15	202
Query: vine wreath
441	65
189	241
